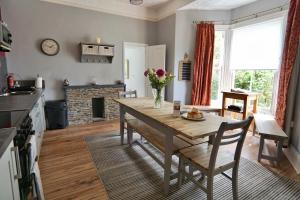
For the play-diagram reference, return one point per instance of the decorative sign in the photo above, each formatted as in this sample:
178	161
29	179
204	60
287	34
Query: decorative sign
184	69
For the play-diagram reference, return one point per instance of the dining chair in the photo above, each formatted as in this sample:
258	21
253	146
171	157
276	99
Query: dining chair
212	160
123	95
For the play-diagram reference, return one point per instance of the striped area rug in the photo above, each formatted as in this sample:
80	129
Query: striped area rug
130	173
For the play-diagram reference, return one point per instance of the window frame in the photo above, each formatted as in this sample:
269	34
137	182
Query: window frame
224	84
227	74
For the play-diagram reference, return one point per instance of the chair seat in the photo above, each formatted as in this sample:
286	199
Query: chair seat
155	137
200	156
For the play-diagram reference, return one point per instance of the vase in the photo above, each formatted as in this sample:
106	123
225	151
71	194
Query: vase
157	94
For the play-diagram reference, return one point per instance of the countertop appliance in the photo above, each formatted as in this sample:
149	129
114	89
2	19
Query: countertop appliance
5	38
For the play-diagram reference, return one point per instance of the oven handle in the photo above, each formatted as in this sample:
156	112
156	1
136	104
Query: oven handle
18	163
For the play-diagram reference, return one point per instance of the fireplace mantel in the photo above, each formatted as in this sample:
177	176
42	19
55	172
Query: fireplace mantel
94	86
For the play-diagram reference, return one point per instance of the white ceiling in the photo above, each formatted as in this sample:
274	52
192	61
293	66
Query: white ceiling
148	3
152	10
216	4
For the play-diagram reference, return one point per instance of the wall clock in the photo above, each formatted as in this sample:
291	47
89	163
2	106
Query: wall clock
50	47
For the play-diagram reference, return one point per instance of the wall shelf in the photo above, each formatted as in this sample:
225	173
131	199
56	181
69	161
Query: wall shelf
96	53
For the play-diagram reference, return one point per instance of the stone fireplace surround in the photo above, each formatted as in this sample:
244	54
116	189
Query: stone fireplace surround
79	101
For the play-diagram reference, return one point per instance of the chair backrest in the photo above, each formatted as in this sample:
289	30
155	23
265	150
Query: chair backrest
238	135
128	94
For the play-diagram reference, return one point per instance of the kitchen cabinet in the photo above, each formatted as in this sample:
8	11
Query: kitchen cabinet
10	172
37	115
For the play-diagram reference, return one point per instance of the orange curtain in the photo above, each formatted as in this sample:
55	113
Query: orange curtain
203	64
288	58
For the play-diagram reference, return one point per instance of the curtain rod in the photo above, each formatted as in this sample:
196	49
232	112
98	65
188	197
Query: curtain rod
240	19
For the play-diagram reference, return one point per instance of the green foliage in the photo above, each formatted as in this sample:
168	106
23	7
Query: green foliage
260	81
215	85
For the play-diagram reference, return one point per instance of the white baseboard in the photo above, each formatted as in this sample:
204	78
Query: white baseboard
294	157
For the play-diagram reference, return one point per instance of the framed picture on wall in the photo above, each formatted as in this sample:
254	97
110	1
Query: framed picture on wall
184	69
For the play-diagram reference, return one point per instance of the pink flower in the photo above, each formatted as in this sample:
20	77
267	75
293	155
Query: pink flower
146	73
160	72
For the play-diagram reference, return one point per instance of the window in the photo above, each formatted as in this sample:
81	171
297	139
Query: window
218	64
261	81
255	60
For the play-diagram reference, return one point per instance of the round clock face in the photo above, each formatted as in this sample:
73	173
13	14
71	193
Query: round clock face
50	47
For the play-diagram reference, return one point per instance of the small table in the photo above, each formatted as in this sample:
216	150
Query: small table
245	97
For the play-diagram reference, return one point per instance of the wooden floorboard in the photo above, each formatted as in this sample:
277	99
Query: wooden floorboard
68	172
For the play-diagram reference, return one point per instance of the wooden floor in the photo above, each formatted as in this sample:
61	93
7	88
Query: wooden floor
68	172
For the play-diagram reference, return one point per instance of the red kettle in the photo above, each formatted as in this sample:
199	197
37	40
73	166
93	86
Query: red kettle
10	81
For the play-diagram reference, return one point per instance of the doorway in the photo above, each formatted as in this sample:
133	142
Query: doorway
134	67
137	58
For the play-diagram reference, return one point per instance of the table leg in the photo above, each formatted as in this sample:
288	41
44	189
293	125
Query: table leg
168	161
279	150
129	135
261	146
255	105
245	108
122	121
223	105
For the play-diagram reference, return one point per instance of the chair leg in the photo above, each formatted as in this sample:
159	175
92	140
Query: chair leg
210	186
235	183
180	171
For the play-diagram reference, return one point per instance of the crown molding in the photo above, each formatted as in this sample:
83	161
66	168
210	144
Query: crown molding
111	8
127	10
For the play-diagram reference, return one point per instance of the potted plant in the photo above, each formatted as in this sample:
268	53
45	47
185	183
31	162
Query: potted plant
159	79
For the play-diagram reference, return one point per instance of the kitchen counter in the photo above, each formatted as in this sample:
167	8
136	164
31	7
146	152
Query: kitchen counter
13	111
19	102
6	136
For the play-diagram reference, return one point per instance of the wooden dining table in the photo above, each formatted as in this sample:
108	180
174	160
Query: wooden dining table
163	120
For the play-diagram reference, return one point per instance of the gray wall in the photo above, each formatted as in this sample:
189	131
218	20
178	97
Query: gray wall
295	85
32	20
185	43
166	35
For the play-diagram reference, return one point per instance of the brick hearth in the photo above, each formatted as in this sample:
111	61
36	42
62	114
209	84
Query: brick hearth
79	101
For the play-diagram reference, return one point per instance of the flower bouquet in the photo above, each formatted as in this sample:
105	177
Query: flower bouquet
159	79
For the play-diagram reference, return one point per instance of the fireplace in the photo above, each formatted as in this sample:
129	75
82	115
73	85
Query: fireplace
98	109
89	103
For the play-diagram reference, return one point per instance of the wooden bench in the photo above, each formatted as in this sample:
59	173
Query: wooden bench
268	128
153	136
